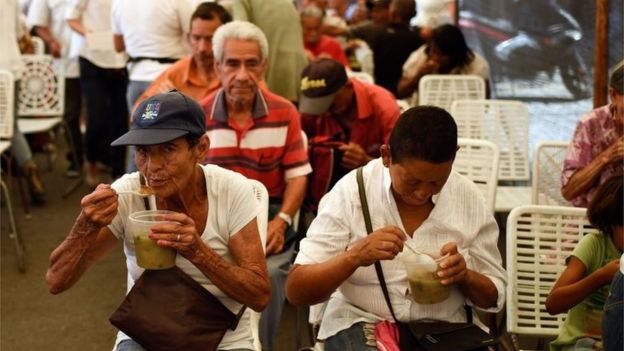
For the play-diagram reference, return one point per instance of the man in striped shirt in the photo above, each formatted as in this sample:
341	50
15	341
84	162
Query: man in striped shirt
258	133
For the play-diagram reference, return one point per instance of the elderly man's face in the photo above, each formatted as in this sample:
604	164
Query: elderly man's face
168	167
240	71
200	38
311	27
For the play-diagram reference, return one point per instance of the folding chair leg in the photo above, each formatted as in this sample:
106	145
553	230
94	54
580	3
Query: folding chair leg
74	155
14	232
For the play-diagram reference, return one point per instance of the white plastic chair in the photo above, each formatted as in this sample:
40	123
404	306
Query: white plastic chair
547	167
478	161
41	103
506	124
6	133
262	195
38	45
442	89
539	239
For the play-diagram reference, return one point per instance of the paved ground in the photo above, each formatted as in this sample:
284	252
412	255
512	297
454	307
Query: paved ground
33	319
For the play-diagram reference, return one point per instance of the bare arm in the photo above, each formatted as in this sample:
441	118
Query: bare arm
574	286
77	26
293	197
118	40
408	85
53	45
246	280
586	177
314	283
88	241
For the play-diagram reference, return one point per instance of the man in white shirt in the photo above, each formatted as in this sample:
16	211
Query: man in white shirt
153	33
103	80
415	199
47	17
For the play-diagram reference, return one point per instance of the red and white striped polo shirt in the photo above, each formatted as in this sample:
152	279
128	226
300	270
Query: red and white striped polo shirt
269	148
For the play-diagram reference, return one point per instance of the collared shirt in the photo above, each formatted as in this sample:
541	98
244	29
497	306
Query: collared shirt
269	148
376	114
51	14
460	215
594	133
478	66
95	16
183	76
329	46
152	28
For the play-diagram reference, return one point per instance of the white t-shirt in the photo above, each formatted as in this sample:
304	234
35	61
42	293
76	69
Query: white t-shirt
232	205
152	28
10	30
460	215
51	14
96	17
477	66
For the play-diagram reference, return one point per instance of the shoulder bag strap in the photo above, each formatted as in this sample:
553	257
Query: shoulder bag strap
369	229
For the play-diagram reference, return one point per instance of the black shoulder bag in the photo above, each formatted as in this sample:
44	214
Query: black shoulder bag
427	336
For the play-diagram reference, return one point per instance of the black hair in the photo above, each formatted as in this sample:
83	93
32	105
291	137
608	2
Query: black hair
209	11
605	209
450	41
406	9
425	133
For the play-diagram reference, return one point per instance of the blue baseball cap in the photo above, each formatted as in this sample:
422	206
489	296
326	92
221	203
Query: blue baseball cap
162	118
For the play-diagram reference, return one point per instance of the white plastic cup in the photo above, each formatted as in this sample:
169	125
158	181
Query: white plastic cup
148	254
425	286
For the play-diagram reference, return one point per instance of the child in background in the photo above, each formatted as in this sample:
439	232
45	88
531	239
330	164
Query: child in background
584	285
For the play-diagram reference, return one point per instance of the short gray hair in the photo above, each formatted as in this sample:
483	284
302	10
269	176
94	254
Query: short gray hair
240	30
312	11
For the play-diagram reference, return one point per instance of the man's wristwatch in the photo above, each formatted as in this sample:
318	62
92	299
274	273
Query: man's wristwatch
285	217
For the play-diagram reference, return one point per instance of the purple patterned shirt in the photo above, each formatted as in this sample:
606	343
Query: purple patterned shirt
594	133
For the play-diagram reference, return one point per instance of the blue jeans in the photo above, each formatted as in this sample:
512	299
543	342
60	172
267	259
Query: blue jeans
350	339
131	345
19	145
612	320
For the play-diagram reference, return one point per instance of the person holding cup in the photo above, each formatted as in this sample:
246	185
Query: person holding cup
211	224
415	201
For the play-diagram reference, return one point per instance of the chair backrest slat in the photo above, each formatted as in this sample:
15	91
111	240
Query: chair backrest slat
547	167
41	88
442	89
539	240
6	104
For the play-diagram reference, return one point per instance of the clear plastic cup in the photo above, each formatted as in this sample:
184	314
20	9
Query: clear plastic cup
148	254
425	286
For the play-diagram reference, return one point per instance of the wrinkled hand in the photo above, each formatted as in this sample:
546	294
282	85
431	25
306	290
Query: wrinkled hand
275	236
354	156
382	244
178	233
607	272
100	207
453	270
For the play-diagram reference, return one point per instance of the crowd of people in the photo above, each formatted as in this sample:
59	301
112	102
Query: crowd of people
206	94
